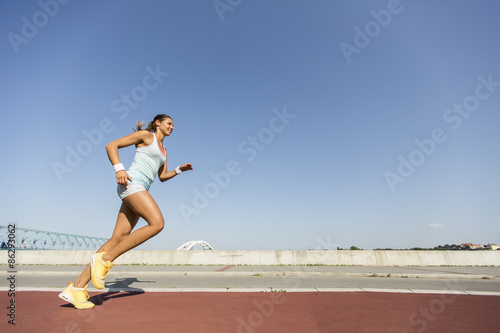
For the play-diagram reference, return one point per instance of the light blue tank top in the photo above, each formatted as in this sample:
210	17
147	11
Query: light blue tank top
147	161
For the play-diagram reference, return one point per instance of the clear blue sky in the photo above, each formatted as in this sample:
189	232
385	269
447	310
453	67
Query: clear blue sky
387	134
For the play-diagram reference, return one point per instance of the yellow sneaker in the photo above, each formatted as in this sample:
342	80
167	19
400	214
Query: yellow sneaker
77	296
99	270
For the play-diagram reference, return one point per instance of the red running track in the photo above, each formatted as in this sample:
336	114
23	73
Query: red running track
254	312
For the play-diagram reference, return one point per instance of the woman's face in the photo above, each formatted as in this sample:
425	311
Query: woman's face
166	126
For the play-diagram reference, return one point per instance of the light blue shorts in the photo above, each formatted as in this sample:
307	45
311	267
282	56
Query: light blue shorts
124	191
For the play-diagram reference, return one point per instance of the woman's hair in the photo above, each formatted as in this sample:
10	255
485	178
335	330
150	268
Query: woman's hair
152	125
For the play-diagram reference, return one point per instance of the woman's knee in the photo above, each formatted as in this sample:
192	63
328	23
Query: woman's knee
158	225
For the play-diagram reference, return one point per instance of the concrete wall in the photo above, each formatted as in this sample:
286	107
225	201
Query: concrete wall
200	257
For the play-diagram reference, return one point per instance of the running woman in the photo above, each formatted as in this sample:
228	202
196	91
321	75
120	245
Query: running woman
133	189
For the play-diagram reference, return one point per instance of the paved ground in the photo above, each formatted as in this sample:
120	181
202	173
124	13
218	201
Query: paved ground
466	280
231	299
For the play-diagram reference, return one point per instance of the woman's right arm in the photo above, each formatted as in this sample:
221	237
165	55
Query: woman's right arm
135	138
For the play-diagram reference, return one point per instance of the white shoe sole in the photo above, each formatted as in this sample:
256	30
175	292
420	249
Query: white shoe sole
68	299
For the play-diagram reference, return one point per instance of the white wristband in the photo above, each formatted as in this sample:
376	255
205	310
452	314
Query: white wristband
178	170
118	167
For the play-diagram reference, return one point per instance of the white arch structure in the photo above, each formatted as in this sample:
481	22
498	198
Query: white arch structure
189	245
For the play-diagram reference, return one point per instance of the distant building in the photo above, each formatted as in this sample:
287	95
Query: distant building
492	247
472	246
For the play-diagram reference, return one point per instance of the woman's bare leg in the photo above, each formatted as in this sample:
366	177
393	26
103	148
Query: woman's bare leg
143	205
125	222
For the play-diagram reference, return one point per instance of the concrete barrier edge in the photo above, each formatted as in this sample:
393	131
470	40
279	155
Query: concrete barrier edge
266	257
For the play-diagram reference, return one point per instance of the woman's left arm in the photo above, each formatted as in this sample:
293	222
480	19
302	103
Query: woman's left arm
165	175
